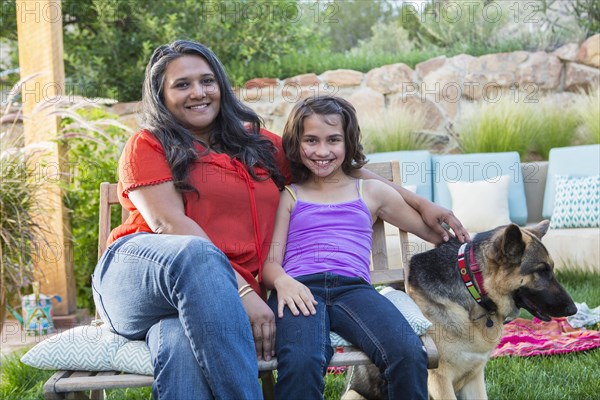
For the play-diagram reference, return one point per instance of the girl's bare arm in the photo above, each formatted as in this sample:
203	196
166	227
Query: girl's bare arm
387	204
432	214
290	292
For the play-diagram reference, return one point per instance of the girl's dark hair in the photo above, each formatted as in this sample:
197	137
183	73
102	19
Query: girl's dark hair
228	135
322	105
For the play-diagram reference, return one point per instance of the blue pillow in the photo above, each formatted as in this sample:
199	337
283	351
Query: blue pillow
481	167
572	161
415	168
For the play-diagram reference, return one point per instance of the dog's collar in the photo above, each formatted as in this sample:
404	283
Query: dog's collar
469	268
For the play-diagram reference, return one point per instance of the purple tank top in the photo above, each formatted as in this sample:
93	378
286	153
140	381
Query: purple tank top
333	238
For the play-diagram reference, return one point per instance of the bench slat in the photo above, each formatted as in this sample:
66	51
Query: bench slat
97	382
350	356
49	386
433	357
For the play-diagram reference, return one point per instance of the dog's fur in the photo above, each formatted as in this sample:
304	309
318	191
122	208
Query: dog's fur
517	272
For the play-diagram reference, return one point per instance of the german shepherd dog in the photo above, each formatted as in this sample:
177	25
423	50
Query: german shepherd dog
468	292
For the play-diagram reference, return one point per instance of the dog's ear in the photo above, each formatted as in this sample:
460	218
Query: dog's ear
512	244
540	229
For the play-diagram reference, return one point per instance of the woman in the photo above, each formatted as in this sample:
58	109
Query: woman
202	183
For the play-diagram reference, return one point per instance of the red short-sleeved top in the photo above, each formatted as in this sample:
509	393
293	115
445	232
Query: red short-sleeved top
236	212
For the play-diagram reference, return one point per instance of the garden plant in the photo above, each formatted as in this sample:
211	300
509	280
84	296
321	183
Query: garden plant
529	125
21	225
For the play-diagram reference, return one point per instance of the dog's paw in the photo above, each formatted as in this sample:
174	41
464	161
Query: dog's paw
352	395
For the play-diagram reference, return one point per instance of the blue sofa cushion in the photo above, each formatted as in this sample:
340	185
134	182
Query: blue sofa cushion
478	167
415	168
577	161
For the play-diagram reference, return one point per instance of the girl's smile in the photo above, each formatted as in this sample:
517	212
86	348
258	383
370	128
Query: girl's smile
322	144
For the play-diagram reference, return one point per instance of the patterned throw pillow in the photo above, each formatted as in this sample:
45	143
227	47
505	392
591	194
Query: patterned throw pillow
133	357
90	348
576	202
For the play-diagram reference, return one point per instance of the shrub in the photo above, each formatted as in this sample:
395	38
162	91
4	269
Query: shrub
94	141
587	13
295	64
460	25
548	40
387	38
19	207
558	127
401	130
350	21
22	231
587	107
542	25
505	125
107	43
515	124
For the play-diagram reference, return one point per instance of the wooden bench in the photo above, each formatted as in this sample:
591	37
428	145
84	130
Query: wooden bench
91	385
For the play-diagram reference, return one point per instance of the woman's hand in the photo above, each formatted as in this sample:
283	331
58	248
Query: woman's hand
295	295
262	321
436	217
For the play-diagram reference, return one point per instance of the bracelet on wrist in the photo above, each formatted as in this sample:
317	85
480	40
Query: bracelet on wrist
244	287
246	291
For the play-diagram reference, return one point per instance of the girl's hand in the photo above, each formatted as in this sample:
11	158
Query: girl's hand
295	295
262	321
436	217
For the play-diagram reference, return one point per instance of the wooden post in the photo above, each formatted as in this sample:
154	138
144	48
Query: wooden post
39	27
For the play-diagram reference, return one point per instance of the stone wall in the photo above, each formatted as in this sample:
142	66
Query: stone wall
443	87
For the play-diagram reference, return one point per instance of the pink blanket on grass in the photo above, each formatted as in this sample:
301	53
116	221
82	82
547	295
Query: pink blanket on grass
525	338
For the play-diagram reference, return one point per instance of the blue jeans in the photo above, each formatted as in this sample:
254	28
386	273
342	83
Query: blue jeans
179	293
357	312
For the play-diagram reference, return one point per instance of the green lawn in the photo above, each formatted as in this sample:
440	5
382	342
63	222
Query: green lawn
569	376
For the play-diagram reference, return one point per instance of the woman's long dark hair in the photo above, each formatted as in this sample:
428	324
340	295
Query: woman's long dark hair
228	135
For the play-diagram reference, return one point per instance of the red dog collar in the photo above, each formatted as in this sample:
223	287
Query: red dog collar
468	267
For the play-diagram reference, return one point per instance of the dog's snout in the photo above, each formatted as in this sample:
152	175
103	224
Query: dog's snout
563	301
545	304
571	309
563	310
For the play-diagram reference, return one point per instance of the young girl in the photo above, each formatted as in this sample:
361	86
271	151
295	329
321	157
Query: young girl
320	256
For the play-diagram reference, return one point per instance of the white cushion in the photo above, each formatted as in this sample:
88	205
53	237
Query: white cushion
576	202
481	205
477	167
574	248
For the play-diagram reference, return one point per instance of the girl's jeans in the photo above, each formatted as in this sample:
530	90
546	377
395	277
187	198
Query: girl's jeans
357	312
179	293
